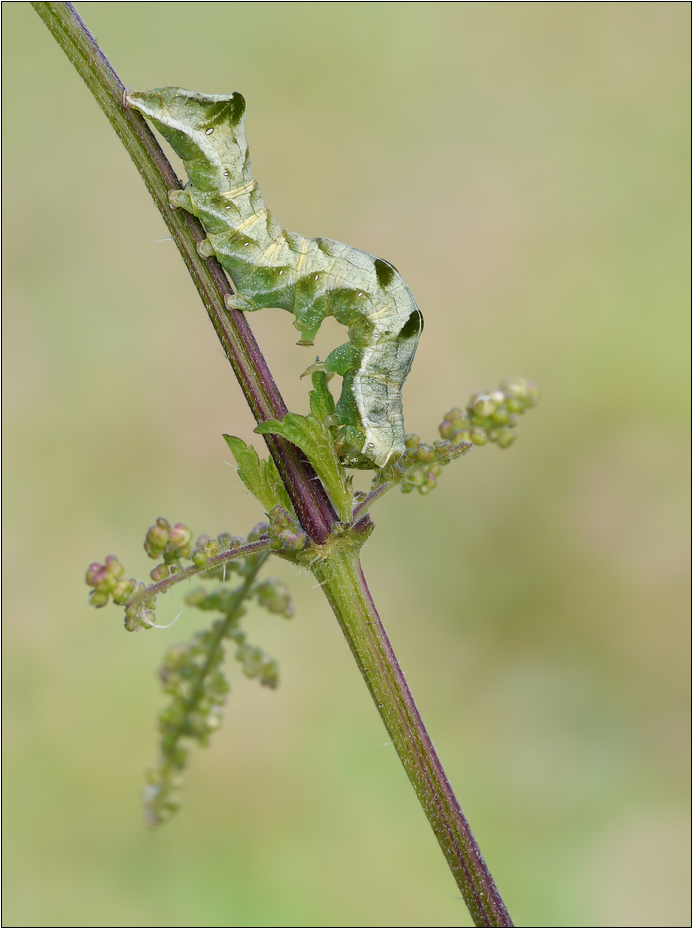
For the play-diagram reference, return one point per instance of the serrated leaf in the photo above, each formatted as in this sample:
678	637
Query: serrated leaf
259	475
313	437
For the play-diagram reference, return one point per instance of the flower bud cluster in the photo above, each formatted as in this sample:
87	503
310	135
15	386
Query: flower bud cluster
206	548
420	465
491	416
256	664
107	581
284	531
140	615
274	596
192	675
171	543
223	600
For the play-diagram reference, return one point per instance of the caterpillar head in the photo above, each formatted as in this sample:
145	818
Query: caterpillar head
205	130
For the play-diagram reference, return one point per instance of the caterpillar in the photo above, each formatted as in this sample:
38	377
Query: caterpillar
311	278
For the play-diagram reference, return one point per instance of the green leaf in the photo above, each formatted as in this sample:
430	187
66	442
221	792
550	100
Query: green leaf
314	438
321	400
259	475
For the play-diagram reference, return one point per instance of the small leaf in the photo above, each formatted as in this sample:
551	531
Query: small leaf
321	400
259	475
314	438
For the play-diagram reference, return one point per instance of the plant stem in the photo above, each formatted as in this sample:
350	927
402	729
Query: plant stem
344	585
312	505
340	571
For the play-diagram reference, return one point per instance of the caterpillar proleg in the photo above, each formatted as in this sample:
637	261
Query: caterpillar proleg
311	278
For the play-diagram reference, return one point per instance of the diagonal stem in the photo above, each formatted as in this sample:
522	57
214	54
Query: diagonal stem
345	587
312	505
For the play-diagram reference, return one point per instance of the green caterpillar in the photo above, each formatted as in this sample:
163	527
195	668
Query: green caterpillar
311	278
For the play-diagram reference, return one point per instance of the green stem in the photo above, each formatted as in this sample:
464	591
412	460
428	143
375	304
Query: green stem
344	585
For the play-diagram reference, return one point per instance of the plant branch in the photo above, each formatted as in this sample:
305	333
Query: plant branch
312	505
362	508
216	561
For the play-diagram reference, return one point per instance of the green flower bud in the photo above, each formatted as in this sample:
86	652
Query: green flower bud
411	440
269	674
98	598
196	597
280	519
159	573
289	541
501	416
113	566
425	453
148	618
123	590
180	538
443	450
482	406
525	391
156	539
274	596
478	435
132	623
505	437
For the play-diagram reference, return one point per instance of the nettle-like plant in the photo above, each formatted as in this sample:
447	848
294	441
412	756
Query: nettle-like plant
314	518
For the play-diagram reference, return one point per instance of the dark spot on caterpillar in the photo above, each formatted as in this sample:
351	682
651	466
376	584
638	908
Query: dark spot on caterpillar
326	246
413	326
229	110
385	272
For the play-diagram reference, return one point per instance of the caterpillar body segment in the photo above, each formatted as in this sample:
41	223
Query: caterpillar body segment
310	278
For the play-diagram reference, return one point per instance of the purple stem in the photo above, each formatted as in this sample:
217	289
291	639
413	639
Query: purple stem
311	502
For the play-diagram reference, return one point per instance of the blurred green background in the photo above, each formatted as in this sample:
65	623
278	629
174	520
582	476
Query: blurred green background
525	166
